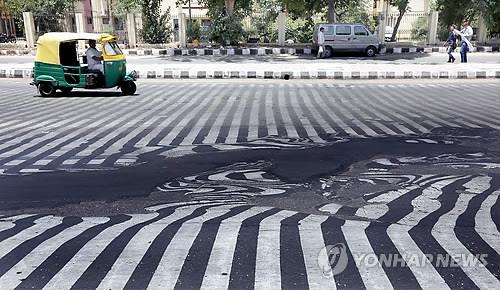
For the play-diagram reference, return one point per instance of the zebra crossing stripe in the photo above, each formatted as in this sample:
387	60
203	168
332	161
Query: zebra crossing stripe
224	246
426	275
359	244
158	123
444	234
232	136
311	240
42	224
168	270
267	261
34	259
131	255
484	224
179	117
73	269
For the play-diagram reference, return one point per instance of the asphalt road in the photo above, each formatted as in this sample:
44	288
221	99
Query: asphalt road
252	184
420	58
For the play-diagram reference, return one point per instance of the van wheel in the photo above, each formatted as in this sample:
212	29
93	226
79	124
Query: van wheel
66	90
46	89
328	52
128	88
370	51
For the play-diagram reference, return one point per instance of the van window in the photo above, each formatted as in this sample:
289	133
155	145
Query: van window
360	30
328	30
343	30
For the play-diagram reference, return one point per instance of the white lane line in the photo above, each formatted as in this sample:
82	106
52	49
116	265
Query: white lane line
237	119
214	132
396	110
70	273
373	277
281	106
188	115
170	265
41	225
223	249
443	232
34	259
124	266
308	100
8	222
485	226
423	205
335	118
267	264
331	208
216	100
272	130
311	239
188	96
253	123
302	117
147	118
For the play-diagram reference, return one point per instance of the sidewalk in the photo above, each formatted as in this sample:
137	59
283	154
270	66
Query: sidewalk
302	70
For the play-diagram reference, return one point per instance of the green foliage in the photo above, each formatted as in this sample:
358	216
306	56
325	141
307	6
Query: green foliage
123	7
419	30
195	30
455	12
156	26
299	30
47	13
226	29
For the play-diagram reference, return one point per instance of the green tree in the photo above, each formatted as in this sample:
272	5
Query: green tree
403	7
455	12
156	26
47	13
124	7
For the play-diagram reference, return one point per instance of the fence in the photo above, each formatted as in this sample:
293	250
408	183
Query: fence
413	25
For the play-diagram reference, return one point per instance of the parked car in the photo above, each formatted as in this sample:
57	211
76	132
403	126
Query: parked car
347	37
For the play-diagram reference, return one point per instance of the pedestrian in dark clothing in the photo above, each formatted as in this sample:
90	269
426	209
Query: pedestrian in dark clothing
451	42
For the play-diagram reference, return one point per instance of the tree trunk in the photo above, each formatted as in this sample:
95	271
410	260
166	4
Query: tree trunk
229	6
396	26
332	17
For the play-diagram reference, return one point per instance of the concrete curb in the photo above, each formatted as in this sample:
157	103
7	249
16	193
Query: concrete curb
314	74
258	51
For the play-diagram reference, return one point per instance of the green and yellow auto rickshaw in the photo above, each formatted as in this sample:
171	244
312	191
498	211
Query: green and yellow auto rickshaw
59	65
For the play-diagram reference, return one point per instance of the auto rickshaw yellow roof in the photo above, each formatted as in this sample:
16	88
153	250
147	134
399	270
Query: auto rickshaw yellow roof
48	44
70	36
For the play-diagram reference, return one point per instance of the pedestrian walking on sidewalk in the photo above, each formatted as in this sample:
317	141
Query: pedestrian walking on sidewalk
321	43
451	42
466	36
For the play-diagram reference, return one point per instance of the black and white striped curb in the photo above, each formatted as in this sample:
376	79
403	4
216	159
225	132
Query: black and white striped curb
259	51
315	74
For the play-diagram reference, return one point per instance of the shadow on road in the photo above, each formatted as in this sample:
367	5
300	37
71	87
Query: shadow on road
288	58
86	94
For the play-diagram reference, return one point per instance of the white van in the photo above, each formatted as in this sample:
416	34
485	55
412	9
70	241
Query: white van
347	37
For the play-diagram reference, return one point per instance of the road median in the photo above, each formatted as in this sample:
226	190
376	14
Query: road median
302	70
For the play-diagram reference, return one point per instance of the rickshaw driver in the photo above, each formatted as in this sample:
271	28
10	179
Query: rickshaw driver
94	57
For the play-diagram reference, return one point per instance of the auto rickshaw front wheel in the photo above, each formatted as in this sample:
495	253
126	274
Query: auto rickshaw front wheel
46	89
128	88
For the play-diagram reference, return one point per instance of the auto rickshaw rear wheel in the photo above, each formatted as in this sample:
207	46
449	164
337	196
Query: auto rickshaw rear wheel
128	88
46	89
